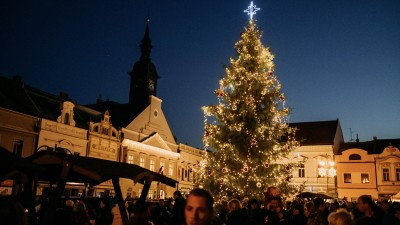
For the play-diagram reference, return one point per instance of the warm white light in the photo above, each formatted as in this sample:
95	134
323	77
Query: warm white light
331	163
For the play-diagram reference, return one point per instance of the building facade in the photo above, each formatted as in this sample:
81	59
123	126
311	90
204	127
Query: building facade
369	168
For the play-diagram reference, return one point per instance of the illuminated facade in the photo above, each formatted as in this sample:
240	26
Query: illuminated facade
371	168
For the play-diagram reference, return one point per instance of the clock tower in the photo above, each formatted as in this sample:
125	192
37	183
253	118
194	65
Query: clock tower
143	77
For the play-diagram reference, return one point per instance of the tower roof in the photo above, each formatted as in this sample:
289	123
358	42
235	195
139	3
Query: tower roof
146	46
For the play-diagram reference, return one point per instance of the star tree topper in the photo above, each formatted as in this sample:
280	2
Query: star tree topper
251	10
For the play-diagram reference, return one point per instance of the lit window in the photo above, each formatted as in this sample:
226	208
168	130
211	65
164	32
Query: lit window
142	162
385	174
130	159
347	177
365	178
170	170
302	170
152	164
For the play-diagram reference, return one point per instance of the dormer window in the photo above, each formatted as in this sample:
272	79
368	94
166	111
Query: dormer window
354	157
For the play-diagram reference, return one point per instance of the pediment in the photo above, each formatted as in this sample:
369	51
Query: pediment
156	140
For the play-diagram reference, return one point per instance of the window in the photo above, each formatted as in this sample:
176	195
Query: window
365	178
162	167
170	170
397	174
385	174
105	130
17	148
354	157
142	162
347	177
130	159
302	171
152	162
66	118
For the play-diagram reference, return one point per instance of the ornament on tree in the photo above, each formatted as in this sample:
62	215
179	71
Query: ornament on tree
221	180
253	142
270	73
234	107
245	169
209	172
224	170
249	100
281	97
258	184
287	179
219	93
287	168
266	165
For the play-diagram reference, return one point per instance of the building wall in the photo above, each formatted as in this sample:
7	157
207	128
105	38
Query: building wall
390	160
16	127
310	157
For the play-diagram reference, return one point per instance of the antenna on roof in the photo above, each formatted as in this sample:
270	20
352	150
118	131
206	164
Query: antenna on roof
351	135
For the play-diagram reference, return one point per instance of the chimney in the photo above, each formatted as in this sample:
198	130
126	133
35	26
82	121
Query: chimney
357	140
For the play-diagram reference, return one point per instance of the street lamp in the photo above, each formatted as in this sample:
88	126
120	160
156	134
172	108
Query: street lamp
326	168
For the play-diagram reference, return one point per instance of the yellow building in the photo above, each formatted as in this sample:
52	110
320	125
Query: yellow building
368	168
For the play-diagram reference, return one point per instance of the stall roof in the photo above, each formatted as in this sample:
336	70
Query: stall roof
92	170
11	164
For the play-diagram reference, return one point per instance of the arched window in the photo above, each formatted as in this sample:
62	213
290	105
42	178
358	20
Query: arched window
66	118
354	157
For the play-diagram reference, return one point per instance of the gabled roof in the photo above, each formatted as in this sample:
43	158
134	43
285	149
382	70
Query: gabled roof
316	133
375	146
17	96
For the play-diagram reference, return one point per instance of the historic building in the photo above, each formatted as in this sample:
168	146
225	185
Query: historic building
136	132
371	168
319	141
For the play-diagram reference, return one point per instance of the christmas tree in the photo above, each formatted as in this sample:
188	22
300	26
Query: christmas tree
247	134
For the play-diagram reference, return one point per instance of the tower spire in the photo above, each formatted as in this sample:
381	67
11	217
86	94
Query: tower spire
146	46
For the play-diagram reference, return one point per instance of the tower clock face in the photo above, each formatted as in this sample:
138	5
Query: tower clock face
151	85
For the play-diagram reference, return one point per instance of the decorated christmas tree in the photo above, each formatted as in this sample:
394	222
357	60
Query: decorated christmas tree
247	134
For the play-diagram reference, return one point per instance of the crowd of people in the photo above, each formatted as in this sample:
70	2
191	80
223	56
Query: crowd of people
199	208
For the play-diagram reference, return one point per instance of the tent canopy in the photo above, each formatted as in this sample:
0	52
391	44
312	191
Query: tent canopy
10	165
91	170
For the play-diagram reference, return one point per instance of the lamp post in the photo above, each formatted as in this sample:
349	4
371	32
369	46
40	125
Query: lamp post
326	168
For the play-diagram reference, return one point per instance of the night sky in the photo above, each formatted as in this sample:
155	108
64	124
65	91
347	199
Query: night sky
334	58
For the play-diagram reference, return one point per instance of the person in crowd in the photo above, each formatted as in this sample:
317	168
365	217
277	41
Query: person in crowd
236	215
340	217
298	216
116	213
319	217
272	206
254	212
199	208
12	211
223	211
308	209
160	213
104	216
389	217
371	213
80	215
178	215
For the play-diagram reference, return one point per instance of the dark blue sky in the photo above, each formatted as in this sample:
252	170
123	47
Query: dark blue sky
334	58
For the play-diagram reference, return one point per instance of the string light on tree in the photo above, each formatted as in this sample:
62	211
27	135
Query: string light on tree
247	132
